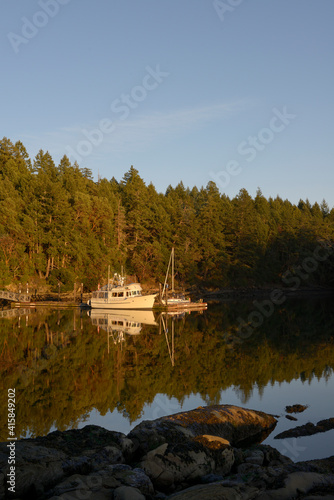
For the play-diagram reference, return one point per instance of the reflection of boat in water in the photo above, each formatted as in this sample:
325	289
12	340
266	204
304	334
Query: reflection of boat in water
167	322
164	323
177	301
120	322
117	295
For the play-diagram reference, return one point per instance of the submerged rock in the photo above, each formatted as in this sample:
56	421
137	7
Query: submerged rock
308	429
290	417
297	408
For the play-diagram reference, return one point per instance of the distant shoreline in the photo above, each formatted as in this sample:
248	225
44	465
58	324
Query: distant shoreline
248	293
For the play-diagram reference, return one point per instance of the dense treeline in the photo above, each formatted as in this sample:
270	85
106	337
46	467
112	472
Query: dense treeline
58	225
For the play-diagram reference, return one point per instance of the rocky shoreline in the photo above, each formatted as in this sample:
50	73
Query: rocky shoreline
199	454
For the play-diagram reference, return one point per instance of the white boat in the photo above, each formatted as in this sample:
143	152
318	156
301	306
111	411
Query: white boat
118	295
173	300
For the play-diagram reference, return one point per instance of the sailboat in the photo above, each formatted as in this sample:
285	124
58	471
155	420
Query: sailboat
176	301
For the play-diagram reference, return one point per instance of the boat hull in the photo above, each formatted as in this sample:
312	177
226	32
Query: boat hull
139	302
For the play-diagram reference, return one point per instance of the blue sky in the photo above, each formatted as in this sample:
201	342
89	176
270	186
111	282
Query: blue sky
235	91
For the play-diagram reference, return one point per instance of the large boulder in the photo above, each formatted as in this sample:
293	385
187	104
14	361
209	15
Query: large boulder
178	449
232	423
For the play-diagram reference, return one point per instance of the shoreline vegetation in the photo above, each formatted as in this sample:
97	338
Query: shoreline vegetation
58	228
199	454
219	295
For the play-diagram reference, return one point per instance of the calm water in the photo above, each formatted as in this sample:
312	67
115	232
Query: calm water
70	369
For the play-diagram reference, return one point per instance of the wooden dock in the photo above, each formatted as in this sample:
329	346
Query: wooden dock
15	297
185	306
48	303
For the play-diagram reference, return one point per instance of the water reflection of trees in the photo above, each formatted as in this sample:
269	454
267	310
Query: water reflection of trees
61	369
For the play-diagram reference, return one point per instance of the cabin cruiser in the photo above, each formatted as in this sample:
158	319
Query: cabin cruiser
118	295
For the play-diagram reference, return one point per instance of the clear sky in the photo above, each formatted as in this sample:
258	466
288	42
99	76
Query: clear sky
235	91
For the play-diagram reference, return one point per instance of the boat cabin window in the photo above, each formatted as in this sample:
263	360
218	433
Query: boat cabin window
121	294
114	294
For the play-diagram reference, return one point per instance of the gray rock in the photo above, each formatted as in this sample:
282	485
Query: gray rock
79	483
255	457
249	468
211	478
128	493
2	485
319	497
37	467
44	462
173	465
216	491
297	483
136	478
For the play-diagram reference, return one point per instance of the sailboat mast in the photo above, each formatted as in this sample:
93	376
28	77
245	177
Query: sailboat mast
166	278
173	269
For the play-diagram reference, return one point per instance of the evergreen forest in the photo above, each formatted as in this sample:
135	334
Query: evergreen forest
60	227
